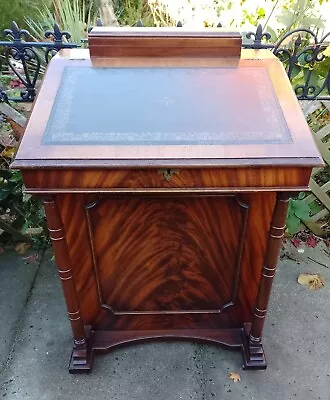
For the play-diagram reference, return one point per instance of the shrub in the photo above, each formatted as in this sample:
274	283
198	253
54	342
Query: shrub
17	10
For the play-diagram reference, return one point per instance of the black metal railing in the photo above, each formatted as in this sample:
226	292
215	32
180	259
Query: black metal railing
300	51
24	57
302	55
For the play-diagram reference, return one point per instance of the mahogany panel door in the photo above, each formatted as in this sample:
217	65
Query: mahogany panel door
166	261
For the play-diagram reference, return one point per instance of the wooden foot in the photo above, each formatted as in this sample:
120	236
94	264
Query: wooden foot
82	356
253	352
81	361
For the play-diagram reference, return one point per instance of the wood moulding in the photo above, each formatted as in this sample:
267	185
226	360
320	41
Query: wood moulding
105	341
163	42
150	208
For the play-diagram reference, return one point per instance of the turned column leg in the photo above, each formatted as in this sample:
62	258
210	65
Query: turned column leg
81	356
254	356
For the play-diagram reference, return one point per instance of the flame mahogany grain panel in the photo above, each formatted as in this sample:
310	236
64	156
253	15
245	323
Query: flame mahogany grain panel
163	245
257	177
198	243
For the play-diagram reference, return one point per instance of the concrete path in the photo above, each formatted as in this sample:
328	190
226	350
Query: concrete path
297	338
16	281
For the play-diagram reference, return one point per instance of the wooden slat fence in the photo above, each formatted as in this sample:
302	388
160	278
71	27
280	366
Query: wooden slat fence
319	199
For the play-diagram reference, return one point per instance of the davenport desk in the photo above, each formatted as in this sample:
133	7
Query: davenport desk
166	160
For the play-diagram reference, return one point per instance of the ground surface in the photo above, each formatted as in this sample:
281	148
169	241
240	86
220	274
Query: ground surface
33	365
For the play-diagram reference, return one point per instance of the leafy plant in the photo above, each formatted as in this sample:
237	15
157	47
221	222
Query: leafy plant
298	211
160	15
300	14
75	16
129	12
283	15
20	214
17	10
308	72
23	212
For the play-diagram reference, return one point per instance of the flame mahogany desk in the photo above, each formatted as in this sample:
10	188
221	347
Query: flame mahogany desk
166	159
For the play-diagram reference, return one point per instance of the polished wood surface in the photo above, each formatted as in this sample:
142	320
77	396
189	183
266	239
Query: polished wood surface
57	236
163	245
81	353
225	179
254	356
275	236
163	42
200	232
156	263
301	151
168	241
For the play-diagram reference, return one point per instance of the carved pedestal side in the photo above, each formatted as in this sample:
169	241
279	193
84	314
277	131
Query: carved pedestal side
254	357
81	357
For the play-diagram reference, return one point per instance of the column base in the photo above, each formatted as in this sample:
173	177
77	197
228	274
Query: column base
253	352
82	356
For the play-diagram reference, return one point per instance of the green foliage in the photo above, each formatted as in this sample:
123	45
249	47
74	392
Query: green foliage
314	207
5	79
283	15
17	10
306	72
74	16
129	12
19	210
253	18
26	212
300	14
298	211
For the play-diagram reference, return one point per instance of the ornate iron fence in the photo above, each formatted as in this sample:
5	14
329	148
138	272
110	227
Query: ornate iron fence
24	58
302	55
300	50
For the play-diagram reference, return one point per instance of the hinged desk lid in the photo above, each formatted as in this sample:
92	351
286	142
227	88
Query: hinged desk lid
149	111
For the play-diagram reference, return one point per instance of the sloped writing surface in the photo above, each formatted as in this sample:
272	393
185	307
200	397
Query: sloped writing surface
166	106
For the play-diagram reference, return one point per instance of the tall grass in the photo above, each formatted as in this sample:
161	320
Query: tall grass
74	16
17	10
150	12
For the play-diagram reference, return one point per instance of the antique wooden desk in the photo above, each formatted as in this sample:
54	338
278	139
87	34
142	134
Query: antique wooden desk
166	162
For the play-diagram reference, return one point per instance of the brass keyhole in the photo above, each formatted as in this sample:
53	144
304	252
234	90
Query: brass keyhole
168	173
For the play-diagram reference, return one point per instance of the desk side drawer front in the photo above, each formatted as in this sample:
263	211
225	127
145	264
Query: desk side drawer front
89	179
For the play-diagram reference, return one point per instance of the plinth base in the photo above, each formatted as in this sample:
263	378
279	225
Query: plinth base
103	341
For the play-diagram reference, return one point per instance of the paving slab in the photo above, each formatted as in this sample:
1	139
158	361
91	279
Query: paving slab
296	342
16	280
38	368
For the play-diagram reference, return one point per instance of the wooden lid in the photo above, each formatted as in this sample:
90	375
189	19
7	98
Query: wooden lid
150	111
